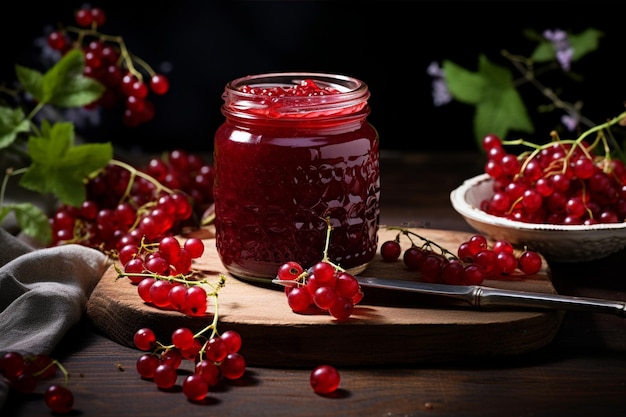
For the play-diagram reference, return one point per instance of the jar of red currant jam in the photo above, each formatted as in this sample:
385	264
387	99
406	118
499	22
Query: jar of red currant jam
294	154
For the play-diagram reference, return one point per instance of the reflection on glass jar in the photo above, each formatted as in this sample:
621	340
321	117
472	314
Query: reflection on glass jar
294	149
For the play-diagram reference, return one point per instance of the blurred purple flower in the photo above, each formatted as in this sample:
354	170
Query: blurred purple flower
564	50
570	121
441	94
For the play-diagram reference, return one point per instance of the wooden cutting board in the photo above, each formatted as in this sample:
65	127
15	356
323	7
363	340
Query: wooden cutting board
386	328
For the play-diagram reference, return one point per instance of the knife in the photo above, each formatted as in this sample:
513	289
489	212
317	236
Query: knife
479	296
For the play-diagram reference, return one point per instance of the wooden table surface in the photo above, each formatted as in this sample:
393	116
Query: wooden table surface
582	372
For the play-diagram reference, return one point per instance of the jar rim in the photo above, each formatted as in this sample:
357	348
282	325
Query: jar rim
351	97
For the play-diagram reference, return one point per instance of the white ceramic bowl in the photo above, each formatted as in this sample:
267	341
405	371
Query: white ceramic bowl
575	243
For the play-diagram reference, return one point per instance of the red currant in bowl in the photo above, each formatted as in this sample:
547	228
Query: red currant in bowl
557	240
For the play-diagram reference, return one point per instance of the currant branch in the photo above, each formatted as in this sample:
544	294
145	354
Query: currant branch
526	67
428	243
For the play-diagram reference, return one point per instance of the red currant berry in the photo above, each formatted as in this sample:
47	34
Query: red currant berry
299	299
144	339
159	84
233	366
57	40
208	370
182	338
83	17
59	399
390	251
289	271
324	272
529	262
194	246
146	365
195	387
325	379
232	340
165	376
413	257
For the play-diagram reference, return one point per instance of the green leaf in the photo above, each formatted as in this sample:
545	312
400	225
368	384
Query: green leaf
32	82
64	84
12	122
465	86
61	168
585	42
499	107
31	220
503	112
582	43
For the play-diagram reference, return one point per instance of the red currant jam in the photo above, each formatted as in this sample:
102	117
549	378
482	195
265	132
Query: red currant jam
295	149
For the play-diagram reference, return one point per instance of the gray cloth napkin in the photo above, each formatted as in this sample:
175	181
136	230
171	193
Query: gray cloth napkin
43	293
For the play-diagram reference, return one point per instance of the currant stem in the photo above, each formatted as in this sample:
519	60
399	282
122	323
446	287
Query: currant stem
526	67
128	59
329	228
136	173
427	242
601	137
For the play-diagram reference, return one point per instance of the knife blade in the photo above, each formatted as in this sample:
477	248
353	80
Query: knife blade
484	297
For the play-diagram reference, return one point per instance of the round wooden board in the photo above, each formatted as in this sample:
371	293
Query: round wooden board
386	328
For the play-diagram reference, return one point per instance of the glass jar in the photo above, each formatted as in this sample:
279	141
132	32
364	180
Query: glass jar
294	150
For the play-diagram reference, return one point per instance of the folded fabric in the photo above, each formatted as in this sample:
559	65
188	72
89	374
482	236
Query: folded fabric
43	293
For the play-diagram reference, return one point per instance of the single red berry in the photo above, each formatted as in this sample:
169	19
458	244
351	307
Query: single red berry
390	251
98	16
57	40
159	84
325	379
529	262
233	366
83	17
59	399
144	339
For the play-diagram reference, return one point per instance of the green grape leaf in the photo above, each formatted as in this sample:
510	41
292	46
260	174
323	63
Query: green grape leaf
60	167
31	220
499	107
582	43
64	84
12	122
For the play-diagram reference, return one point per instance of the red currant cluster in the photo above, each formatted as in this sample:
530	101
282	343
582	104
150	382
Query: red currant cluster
164	276
558	183
125	205
474	261
26	372
185	171
324	286
108	60
167	257
213	358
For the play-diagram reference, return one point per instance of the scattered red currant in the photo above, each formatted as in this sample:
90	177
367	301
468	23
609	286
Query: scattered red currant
473	262
390	250
25	372
59	399
325	379
210	359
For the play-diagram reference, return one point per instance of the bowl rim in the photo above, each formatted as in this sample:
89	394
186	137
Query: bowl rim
458	198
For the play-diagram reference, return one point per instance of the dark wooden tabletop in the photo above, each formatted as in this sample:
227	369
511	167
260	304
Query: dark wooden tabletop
581	372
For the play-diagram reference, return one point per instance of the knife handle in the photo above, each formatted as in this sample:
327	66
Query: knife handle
494	297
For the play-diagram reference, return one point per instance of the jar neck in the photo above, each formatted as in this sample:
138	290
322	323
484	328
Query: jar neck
282	99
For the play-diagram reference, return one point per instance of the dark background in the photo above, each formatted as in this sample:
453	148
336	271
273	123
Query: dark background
387	44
